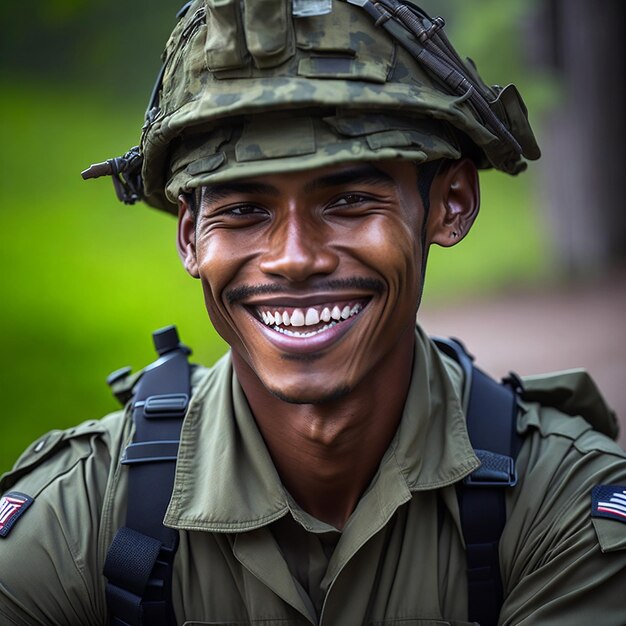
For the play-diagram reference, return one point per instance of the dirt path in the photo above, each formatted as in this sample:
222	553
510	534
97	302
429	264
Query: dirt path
583	326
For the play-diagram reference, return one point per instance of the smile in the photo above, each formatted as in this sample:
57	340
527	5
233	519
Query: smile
312	320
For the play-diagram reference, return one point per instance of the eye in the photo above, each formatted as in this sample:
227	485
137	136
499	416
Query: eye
237	215
244	210
352	205
349	199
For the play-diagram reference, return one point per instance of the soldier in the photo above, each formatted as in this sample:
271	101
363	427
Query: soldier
313	151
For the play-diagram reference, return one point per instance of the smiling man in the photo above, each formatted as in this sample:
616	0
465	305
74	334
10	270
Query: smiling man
320	271
314	279
313	151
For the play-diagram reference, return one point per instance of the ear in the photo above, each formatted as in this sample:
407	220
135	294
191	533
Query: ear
186	237
454	202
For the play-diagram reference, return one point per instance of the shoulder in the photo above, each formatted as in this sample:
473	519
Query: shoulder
87	455
64	499
562	460
54	523
66	472
568	447
56	452
569	433
559	559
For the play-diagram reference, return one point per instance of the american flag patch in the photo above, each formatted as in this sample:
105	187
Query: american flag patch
12	506
609	501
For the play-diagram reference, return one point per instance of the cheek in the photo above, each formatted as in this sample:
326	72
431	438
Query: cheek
393	249
221	254
219	262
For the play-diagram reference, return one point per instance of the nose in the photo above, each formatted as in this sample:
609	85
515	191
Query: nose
297	250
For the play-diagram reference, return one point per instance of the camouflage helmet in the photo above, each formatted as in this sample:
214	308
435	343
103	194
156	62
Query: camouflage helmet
252	87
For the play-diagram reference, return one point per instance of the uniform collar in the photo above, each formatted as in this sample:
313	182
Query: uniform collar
226	481
431	447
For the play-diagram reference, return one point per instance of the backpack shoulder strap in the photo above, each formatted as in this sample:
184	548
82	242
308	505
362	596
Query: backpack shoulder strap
140	559
491	424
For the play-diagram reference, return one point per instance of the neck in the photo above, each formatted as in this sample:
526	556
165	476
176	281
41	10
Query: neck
327	454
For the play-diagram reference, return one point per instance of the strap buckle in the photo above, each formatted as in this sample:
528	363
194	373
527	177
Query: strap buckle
150	452
496	470
168	406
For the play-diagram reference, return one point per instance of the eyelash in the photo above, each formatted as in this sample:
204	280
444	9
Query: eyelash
349	199
244	210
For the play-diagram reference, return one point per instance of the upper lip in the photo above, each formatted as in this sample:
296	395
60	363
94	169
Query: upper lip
304	300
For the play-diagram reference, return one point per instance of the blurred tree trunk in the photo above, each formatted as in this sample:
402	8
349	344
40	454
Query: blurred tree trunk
583	139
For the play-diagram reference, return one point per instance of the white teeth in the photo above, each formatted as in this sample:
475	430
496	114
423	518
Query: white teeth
312	317
295	333
297	318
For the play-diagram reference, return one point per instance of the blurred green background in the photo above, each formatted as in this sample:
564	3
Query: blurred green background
85	280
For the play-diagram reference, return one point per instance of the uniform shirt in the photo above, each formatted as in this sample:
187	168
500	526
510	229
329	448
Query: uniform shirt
249	554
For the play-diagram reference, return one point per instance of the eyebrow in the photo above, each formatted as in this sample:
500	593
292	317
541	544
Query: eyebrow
213	193
361	174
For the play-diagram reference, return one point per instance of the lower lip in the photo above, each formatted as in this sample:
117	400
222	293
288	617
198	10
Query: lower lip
313	343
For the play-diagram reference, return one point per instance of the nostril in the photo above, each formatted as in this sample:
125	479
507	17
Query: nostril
298	262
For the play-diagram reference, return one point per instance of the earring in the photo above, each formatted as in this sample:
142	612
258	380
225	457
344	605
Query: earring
455	234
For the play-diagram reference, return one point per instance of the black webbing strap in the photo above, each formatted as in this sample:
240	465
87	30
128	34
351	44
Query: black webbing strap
139	563
491	424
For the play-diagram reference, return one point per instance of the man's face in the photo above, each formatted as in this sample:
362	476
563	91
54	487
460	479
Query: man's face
314	277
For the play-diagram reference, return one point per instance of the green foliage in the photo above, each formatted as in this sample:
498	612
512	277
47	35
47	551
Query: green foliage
114	46
495	35
85	280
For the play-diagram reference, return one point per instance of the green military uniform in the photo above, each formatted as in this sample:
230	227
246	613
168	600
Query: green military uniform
250	555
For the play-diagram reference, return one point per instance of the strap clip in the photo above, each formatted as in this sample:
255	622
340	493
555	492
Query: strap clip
168	405
496	470
150	452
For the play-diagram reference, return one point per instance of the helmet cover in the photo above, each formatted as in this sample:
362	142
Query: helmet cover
253	87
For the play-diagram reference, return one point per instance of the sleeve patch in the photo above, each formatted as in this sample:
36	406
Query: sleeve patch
12	506
609	501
